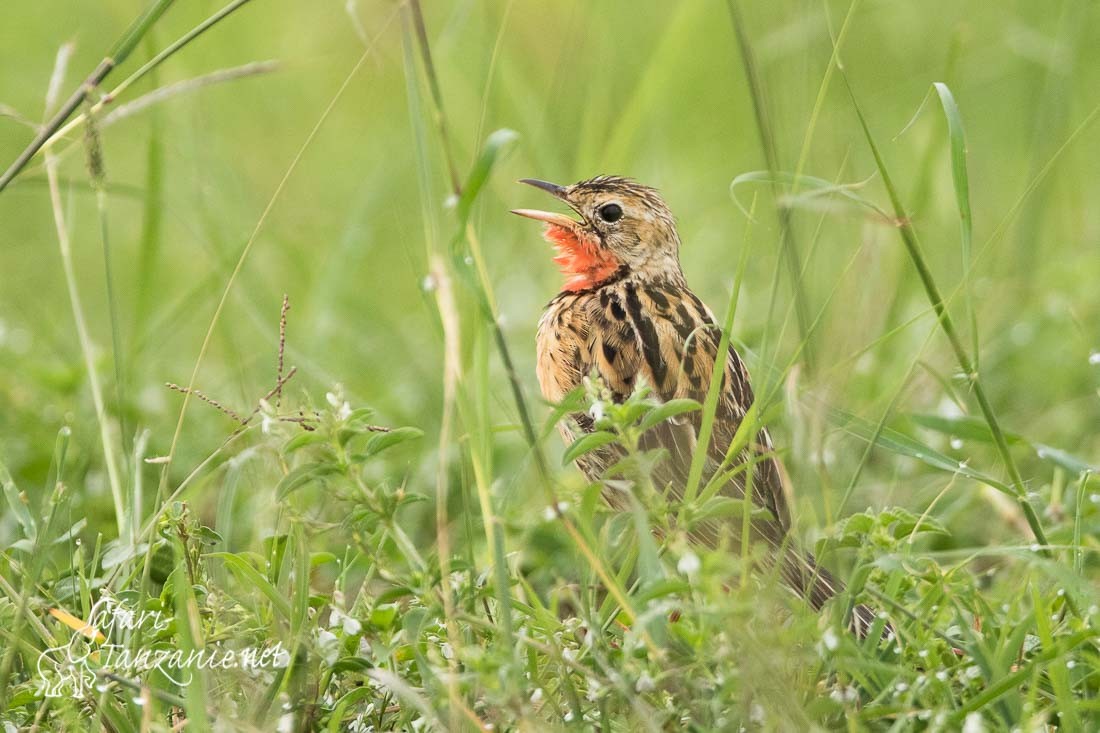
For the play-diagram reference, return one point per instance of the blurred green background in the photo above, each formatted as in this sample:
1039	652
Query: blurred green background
654	90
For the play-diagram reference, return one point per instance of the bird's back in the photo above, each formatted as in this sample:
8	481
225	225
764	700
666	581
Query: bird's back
660	332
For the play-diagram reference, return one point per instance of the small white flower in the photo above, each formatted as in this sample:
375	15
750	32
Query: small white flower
286	723
344	412
265	424
334	618
551	513
332	399
329	646
447	650
830	639
1094	358
536	696
428	284
901	686
942	675
645	683
597	410
1071	664
352	626
973	724
689	563
973	672
956	443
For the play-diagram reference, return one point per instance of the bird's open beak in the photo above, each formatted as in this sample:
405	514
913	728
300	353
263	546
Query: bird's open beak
549	217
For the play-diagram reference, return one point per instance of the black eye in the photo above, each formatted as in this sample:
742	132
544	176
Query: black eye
610	212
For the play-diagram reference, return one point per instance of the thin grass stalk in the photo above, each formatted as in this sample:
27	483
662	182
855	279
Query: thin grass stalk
98	176
822	90
453	376
247	248
115	56
771	157
710	405
912	246
87	348
146	68
151	210
485	294
437	95
452	369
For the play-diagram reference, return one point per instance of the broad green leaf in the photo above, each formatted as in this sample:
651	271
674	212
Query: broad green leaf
17	502
668	409
250	575
382	441
303	475
303	439
587	444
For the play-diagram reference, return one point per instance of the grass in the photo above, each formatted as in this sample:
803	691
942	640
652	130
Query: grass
351	486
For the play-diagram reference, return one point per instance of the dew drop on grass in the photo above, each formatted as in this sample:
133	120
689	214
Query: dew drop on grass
956	443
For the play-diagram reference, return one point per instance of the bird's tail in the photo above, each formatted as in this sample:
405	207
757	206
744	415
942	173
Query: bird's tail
817	585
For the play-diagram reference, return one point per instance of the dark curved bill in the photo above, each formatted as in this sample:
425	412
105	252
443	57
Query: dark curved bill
551	188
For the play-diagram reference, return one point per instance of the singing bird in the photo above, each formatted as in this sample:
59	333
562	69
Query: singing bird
625	314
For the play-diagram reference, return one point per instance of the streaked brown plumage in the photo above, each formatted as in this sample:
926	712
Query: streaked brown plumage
626	314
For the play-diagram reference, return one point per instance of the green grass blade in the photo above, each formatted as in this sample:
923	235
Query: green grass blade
912	246
961	179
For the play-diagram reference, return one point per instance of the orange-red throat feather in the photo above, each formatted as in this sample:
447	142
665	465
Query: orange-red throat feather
581	258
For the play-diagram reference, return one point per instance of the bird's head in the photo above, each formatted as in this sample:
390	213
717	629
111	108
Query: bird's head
625	228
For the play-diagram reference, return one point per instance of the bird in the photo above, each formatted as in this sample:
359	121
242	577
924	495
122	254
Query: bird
626	316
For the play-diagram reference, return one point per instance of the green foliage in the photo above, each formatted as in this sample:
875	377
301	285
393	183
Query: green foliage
933	400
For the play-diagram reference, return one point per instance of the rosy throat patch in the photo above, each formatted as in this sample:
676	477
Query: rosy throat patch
582	260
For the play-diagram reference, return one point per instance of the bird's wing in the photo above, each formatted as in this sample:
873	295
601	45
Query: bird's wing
669	338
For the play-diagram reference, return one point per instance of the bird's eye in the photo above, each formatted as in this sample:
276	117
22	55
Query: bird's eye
610	212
